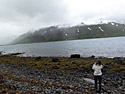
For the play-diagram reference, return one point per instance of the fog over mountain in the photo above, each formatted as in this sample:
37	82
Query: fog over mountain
20	16
71	32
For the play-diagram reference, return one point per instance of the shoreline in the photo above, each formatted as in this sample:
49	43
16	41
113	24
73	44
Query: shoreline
58	75
22	54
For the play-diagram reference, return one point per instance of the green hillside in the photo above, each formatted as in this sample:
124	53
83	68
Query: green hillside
56	33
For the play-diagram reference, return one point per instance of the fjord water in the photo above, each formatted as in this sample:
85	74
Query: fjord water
107	47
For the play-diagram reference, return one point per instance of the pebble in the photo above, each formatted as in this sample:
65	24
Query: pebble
56	82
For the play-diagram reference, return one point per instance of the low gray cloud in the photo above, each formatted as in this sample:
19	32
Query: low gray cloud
20	16
14	9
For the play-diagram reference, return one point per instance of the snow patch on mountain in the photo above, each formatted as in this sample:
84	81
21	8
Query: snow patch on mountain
89	29
78	30
116	24
66	34
112	23
101	29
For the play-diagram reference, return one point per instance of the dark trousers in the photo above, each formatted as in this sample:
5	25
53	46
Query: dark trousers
98	78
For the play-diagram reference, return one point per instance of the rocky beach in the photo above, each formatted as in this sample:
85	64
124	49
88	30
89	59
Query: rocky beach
59	75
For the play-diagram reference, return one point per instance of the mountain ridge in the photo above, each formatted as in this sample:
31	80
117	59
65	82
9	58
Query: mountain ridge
82	31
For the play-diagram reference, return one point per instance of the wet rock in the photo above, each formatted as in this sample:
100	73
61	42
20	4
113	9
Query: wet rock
85	68
105	71
58	64
74	62
55	67
58	91
109	91
75	56
55	60
92	56
83	63
1	52
45	64
35	64
105	82
108	79
119	62
14	54
38	58
90	67
66	65
65	87
106	66
1	81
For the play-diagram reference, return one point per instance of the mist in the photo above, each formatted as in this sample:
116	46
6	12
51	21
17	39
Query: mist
20	16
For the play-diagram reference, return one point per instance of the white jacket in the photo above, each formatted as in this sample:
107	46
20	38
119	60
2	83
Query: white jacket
97	69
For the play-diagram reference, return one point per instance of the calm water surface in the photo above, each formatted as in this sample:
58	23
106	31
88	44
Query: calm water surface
107	47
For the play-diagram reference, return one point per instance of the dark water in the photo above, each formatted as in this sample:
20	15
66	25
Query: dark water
107	47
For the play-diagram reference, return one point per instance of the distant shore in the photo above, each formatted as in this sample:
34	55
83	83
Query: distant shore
58	75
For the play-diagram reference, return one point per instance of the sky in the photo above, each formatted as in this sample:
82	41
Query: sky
20	16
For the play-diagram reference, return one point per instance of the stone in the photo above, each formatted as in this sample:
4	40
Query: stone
92	56
105	71
59	82
38	58
55	67
83	63
65	87
105	82
4	92
85	68
106	66
55	60
35	64
119	62
58	64
75	56
1	52
108	91
45	64
74	62
58	91
1	81
66	65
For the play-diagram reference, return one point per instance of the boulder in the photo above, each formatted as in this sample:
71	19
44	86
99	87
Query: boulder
45	64
14	54
65	87
119	62
55	67
83	63
75	56
0	52
92	56
38	58
66	65
58	64
85	69
55	60
35	64
74	63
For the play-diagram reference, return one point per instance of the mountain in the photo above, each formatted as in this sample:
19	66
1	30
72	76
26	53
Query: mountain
67	32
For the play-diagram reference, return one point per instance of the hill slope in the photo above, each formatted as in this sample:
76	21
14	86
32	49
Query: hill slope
57	33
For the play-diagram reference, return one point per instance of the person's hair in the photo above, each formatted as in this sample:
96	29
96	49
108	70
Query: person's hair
98	62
